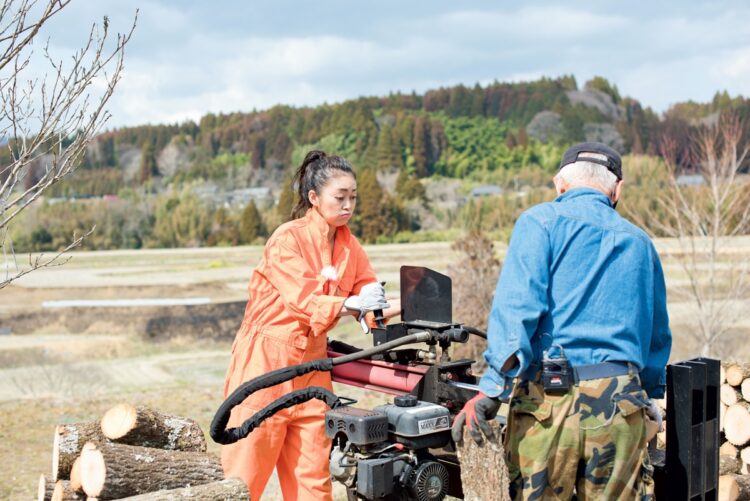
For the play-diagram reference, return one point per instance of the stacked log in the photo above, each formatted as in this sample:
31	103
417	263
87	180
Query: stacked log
135	452
734	422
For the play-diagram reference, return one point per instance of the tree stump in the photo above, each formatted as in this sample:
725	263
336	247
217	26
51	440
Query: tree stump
67	445
114	471
737	372
484	475
145	427
64	492
44	489
737	424
223	490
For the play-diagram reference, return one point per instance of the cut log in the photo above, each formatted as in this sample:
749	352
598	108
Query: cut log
64	492
729	464
745	389
113	471
728	449
729	395
146	427
737	424
44	489
69	439
722	374
737	372
75	473
722	411
483	472
745	455
231	488
734	487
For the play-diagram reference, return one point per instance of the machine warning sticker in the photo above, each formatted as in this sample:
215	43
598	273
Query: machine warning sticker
433	424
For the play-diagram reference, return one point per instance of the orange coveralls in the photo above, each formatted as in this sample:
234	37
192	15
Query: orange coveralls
290	309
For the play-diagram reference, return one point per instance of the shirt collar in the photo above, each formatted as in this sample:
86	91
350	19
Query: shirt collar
316	222
584	194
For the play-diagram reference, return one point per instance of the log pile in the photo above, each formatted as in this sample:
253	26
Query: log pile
138	453
734	422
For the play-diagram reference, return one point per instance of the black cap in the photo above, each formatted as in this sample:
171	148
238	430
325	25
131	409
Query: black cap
577	152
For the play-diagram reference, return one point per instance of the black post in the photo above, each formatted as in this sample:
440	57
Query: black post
692	456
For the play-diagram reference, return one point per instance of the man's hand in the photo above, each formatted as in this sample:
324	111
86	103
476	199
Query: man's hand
654	413
478	412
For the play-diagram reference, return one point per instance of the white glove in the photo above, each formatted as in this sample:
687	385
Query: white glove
371	297
654	413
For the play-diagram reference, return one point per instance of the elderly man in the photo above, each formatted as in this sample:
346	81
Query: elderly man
579	321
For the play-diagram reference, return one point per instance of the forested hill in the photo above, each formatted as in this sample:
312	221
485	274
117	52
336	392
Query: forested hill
411	146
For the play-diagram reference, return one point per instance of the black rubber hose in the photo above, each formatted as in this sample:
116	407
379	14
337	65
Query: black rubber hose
219	423
475	331
232	435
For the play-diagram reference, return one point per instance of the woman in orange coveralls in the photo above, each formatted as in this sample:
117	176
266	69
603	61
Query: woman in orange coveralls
312	272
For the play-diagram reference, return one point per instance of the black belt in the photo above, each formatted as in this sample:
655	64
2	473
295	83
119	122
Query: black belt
586	372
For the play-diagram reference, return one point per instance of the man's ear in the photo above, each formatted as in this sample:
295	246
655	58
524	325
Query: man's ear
618	191
560	185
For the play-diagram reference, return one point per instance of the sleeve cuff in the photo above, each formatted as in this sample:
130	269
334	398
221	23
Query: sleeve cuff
495	385
326	311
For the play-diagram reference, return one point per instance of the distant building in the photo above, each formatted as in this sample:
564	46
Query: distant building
690	180
486	190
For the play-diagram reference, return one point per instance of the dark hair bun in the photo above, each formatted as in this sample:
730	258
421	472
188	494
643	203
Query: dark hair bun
314	156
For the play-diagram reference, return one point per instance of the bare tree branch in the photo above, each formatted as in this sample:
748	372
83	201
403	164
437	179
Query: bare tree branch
49	122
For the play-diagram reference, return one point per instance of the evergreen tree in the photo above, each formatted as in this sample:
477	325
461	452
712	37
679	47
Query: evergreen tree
373	208
148	167
286	200
251	224
421	147
389	154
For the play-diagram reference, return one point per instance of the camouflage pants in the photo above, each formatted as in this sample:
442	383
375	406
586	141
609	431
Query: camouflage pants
590	441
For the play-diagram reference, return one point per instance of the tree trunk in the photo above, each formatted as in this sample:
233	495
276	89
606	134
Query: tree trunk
45	489
68	442
231	488
64	492
737	372
734	487
729	395
113	471
737	424
729	464
147	427
484	475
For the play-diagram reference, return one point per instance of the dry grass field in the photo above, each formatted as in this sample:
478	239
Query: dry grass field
50	375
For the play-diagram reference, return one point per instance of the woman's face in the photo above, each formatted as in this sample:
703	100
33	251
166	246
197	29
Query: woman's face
336	200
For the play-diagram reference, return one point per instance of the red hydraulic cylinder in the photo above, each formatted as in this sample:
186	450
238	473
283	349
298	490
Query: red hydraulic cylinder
387	377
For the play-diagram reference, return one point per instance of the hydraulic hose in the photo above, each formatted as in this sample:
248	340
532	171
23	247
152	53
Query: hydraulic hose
476	332
223	435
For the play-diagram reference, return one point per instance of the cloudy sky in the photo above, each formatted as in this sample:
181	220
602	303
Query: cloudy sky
190	57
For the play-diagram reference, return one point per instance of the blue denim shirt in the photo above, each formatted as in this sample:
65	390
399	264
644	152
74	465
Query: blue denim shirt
578	275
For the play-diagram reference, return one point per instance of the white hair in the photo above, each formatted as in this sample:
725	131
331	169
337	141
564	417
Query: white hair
588	173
